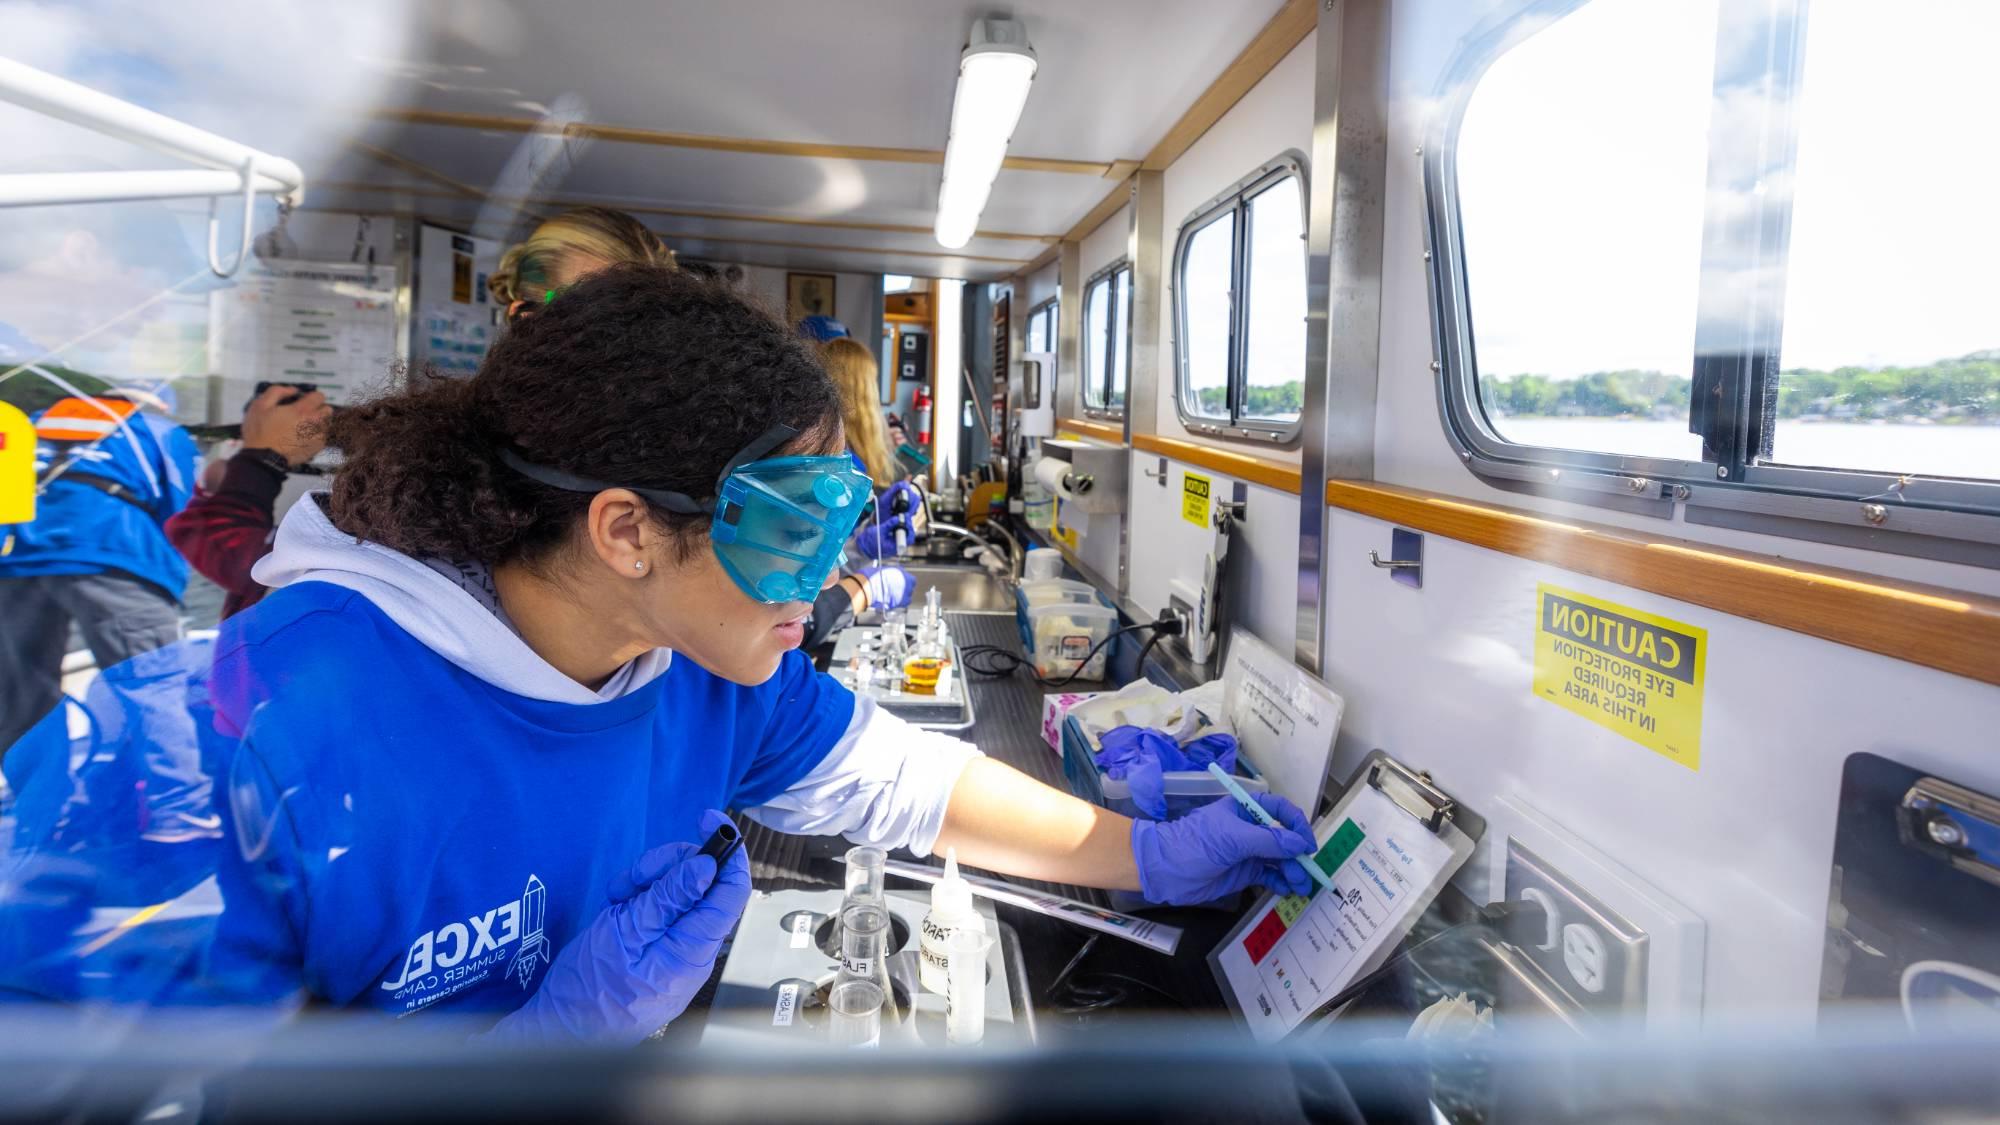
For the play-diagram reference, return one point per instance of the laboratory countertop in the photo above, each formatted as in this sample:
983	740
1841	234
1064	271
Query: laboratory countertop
1008	728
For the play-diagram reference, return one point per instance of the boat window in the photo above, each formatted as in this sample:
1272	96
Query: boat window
1672	247
1042	326
1240	306
1107	325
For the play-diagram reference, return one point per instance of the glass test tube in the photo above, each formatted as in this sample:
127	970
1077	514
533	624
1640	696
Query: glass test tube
855	1008
894	640
864	939
865	880
965	986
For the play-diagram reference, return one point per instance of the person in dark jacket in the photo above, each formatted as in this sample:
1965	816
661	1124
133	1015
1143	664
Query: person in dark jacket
227	527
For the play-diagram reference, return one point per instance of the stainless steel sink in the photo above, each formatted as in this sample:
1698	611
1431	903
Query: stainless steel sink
963	589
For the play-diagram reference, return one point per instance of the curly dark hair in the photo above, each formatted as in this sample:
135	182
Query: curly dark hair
640	375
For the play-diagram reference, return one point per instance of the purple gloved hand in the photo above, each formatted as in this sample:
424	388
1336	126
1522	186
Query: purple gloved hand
638	964
1218	849
888	587
878	540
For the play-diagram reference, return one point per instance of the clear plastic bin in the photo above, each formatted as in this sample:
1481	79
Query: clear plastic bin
1186	792
1061	634
1058	591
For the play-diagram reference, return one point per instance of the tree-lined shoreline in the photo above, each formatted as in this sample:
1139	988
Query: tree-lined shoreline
1962	391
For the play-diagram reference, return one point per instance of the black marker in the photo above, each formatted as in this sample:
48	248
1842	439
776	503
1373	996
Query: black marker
723	844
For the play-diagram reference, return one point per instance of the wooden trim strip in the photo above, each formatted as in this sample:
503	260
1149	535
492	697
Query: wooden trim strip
1042	259
1088	427
1098	215
633	134
1242	466
1286	30
681	212
454	189
692	236
1949	630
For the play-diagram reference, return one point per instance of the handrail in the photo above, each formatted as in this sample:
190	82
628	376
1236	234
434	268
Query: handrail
233	167
1242	466
1950	630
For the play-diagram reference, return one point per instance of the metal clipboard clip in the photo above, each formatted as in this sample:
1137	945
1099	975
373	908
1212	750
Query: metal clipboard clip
1954	824
1412	792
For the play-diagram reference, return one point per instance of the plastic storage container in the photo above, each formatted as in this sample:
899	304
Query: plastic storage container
1057	591
1060	634
1186	790
1042	564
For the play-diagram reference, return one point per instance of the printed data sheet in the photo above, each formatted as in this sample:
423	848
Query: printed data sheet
1297	952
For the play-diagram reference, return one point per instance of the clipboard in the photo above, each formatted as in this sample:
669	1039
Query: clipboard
1391	843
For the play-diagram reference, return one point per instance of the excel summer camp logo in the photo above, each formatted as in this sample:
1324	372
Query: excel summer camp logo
462	953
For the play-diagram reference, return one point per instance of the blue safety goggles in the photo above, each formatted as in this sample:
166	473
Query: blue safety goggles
778	526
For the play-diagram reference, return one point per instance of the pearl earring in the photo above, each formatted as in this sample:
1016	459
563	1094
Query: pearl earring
638	566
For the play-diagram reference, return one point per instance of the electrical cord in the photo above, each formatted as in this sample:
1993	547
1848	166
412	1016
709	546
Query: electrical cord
998	660
1513	919
1075	994
1145	650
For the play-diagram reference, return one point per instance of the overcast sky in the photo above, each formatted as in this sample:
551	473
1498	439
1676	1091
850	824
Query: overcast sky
1583	170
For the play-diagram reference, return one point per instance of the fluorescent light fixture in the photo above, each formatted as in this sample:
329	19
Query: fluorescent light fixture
994	73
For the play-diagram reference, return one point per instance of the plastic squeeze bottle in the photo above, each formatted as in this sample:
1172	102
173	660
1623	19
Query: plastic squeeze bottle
951	909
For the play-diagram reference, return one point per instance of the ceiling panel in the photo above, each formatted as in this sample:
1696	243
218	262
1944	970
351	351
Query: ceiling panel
870	191
1114	76
757	243
873	72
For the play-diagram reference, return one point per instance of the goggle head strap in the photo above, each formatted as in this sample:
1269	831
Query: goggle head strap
680	502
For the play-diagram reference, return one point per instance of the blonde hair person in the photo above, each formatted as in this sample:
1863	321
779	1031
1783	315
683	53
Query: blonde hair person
854	371
564	249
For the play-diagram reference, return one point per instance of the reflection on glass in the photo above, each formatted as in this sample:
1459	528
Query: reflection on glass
1582	165
1275	305
1205	300
1891	348
1096	326
1121	335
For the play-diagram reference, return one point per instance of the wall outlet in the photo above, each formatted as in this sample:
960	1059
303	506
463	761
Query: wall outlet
1598	958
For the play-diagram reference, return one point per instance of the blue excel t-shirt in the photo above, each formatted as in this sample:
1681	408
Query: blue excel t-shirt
414	838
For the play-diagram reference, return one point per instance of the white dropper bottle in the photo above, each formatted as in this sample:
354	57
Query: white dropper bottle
951	909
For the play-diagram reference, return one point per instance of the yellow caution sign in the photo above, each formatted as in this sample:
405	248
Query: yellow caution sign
1194	499
1632	672
17	465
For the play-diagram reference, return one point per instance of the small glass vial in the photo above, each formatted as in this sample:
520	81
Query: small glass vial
864	949
965	994
865	875
855	1010
894	641
925	662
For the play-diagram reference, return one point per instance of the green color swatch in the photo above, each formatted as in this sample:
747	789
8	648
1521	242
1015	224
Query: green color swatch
1339	847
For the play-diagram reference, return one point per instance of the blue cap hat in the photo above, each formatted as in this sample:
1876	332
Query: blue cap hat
820	329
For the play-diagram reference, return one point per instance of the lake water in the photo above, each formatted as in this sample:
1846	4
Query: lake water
1891	447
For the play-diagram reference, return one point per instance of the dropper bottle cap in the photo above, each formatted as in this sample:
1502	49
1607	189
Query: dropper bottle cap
951	896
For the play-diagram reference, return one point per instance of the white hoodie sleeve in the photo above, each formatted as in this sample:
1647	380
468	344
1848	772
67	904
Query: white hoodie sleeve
885	783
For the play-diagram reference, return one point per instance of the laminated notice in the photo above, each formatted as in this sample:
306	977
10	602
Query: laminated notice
1632	672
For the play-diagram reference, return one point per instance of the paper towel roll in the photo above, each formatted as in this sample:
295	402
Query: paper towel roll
1049	472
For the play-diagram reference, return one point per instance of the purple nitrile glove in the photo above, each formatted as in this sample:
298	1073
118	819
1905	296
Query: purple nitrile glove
638	964
1218	849
900	499
878	540
888	587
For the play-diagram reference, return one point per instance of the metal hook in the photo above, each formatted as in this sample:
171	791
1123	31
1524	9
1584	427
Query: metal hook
1393	564
249	212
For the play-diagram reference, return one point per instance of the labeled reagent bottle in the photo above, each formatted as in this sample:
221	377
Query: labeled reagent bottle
951	910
